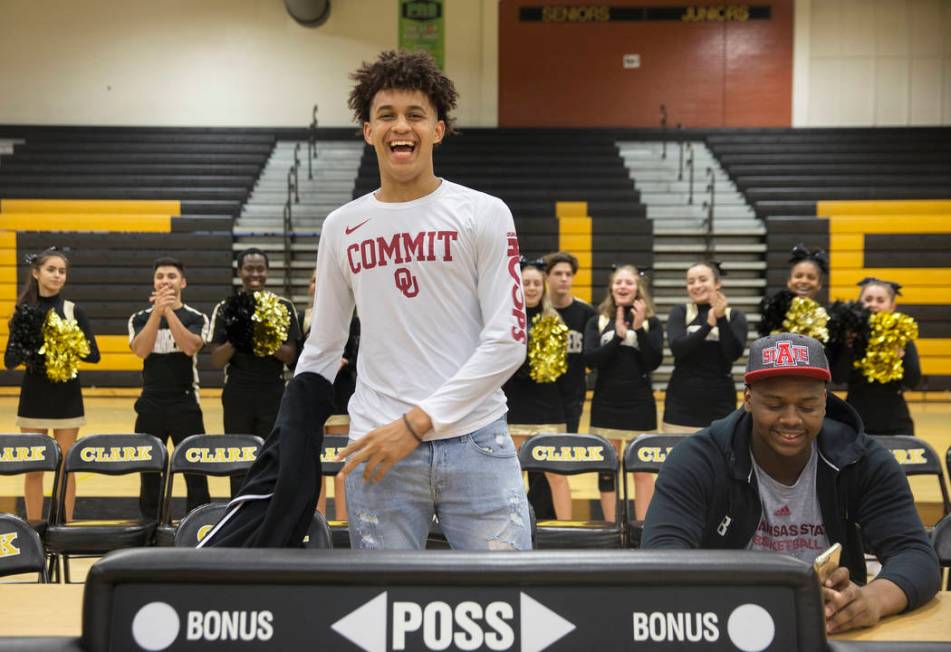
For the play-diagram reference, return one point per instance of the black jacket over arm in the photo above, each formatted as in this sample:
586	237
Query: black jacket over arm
276	503
707	497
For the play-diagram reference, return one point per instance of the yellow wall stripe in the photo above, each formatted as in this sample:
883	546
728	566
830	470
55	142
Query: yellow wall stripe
934	346
571	209
85	222
95	206
923	277
936	366
914	295
883	207
116	354
906	223
574	235
851	221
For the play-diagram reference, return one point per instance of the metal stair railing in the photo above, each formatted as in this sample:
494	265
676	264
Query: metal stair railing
690	170
312	144
293	197
709	207
663	129
680	155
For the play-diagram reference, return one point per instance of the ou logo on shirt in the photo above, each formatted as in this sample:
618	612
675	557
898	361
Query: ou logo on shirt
406	282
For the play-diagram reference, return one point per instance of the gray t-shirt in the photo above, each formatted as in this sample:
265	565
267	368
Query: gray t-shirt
791	523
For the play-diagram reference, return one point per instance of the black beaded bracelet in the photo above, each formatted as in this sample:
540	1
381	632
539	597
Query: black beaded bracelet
410	428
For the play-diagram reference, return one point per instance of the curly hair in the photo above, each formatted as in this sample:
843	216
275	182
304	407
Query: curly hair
403	70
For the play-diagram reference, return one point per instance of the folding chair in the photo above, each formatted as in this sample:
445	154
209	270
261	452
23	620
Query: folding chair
198	522
941	540
106	455
917	457
21	550
25	453
318	535
571	454
207	455
339	530
645	454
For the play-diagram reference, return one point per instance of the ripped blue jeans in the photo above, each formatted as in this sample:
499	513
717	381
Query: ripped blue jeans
472	483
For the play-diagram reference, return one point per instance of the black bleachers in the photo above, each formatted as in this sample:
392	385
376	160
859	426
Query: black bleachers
786	171
531	170
209	171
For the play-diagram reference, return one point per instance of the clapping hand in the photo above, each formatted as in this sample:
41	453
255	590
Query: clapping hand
163	299
620	325
718	306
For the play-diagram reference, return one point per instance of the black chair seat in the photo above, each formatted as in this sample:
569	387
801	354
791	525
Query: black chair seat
635	530
196	524
340	534
318	534
165	535
40	526
90	537
577	535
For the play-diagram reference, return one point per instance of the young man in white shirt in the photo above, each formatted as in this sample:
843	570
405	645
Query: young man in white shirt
432	268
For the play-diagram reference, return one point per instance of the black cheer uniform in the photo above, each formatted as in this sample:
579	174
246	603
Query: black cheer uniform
571	384
623	394
43	403
529	402
701	388
345	384
254	385
168	406
881	405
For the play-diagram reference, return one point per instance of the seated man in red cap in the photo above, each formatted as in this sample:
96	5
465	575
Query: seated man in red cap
793	472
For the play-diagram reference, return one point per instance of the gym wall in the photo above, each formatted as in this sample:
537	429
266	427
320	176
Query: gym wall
861	63
247	63
215	62
710	73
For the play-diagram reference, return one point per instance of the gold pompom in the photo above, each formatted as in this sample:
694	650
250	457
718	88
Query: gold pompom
64	345
547	348
271	321
890	332
806	317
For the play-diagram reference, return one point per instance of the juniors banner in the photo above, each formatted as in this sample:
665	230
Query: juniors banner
422	27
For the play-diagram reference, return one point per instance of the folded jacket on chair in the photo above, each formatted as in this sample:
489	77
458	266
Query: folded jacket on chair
276	503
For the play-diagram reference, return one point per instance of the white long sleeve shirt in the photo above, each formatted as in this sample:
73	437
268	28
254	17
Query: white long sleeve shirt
437	285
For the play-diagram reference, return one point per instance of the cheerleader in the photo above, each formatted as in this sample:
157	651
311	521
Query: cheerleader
46	404
706	337
806	271
625	343
536	407
344	385
794	308
880	404
254	384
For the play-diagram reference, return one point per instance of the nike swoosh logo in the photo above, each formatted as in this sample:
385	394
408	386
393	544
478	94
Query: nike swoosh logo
351	229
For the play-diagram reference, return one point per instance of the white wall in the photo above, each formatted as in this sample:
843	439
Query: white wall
216	62
872	63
